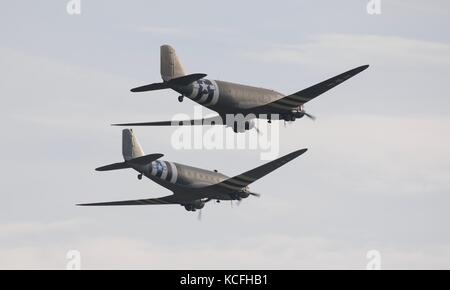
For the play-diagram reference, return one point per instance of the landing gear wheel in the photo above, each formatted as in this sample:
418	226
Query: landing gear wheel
180	99
139	176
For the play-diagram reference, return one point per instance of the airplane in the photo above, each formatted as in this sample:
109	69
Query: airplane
192	187
231	99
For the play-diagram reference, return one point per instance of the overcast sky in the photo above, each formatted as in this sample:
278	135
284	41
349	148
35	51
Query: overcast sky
377	175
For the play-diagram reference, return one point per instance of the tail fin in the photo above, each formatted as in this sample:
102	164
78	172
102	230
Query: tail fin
130	145
132	153
171	66
172	73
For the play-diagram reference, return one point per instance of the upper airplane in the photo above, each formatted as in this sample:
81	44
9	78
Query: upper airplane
233	99
192	187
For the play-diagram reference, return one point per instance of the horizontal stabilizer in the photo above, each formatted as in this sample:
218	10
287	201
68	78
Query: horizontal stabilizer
146	159
186	80
114	166
142	160
180	81
151	87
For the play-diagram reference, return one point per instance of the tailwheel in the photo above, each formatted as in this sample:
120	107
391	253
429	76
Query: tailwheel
139	176
180	98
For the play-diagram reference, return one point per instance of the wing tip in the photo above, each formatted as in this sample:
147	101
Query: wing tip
363	67
297	153
139	89
93	204
126	124
294	154
353	72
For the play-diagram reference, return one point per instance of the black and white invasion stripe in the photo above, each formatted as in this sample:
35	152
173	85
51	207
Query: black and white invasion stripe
237	183
165	170
205	92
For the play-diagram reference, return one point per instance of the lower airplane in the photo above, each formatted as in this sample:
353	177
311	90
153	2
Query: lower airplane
192	187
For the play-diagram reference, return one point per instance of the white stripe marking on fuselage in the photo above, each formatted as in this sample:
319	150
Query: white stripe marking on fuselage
215	98
174	172
165	171
194	93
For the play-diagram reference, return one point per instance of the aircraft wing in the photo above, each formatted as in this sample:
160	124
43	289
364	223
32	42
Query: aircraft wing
170	199
301	97
215	120
240	181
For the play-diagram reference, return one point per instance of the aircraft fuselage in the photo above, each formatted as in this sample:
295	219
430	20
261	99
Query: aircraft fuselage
183	179
228	98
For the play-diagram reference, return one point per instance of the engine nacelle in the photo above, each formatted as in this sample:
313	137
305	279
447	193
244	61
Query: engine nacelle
198	204
240	195
242	126
299	114
244	194
292	116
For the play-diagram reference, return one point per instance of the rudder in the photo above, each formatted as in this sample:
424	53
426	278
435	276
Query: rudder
171	66
130	145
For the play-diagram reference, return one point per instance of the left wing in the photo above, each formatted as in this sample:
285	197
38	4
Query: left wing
170	199
301	97
215	120
240	181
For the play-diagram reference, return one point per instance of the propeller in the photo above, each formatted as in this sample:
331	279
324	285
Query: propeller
309	116
312	117
199	217
239	200
258	131
237	203
255	194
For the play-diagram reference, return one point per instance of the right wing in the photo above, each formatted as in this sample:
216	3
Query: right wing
240	181
301	97
216	120
170	199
